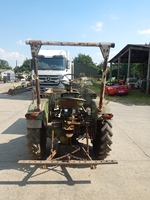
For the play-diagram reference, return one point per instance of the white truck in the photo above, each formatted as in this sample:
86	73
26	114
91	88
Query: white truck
52	66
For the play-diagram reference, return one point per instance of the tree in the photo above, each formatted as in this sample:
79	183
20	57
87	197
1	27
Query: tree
4	64
100	69
84	60
17	69
139	69
136	69
25	67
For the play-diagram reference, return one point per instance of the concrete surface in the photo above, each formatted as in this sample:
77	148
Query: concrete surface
128	180
4	87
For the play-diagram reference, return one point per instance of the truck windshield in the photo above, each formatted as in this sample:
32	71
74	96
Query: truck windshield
51	63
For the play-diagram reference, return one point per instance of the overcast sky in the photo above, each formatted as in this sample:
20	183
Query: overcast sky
122	22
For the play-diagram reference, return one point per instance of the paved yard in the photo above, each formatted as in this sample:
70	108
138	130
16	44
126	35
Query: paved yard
128	180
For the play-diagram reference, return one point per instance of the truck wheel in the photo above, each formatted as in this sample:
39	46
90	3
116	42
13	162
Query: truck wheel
36	143
102	142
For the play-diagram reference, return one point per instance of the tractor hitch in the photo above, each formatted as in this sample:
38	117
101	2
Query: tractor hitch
44	163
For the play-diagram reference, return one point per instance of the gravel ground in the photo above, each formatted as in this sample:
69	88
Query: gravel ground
127	180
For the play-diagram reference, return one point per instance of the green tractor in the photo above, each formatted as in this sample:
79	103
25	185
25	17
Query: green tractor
71	121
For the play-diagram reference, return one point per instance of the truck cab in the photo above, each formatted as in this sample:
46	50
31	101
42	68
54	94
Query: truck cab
52	65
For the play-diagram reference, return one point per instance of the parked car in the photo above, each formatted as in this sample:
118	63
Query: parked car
115	88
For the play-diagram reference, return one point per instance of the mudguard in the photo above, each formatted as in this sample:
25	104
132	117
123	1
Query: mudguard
95	112
36	118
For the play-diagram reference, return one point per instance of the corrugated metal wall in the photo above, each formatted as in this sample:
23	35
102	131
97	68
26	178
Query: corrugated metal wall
89	71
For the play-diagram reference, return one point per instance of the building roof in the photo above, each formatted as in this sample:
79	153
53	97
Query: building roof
6	70
139	54
2	70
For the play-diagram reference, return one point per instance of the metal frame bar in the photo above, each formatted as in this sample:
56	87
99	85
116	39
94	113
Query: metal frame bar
148	75
104	47
72	162
53	43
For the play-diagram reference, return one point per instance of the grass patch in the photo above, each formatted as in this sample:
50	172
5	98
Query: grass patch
134	97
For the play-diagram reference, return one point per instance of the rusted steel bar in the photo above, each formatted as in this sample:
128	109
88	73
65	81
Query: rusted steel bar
37	83
148	75
103	85
87	44
72	162
52	140
87	139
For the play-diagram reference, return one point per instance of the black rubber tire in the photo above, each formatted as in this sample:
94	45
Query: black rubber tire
103	140
36	143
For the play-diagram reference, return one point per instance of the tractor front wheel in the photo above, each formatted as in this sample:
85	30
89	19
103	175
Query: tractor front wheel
36	143
102	142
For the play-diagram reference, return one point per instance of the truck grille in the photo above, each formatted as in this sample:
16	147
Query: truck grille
49	80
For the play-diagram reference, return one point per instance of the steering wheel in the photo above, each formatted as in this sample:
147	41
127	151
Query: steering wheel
70	82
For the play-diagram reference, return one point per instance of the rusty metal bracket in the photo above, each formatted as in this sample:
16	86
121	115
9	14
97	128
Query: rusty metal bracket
35	48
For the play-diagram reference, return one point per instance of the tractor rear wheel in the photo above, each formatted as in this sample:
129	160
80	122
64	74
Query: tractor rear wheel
102	142
36	143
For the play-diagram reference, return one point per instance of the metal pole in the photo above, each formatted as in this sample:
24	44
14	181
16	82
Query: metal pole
110	71
148	75
103	85
37	82
129	60
118	74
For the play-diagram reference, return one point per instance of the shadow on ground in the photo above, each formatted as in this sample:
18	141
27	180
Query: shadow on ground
15	150
27	95
18	127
